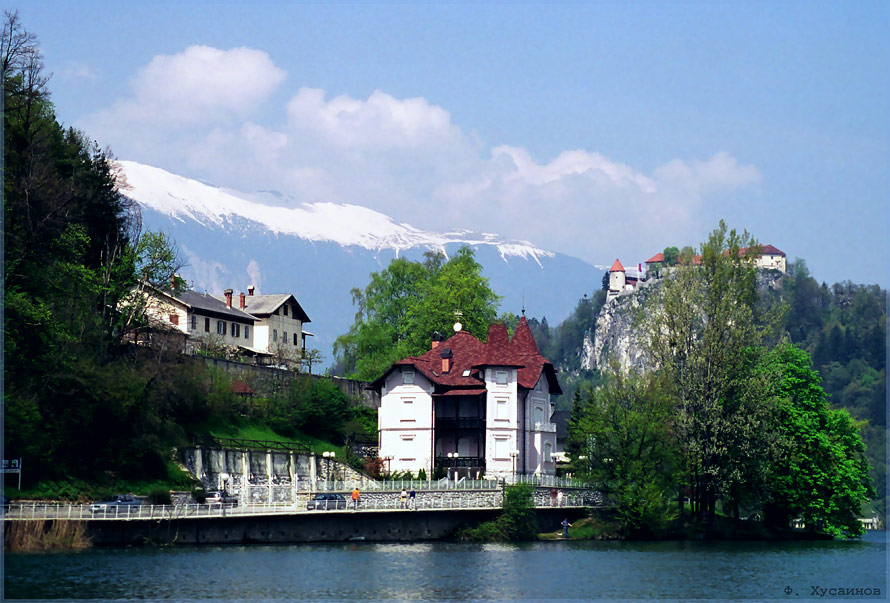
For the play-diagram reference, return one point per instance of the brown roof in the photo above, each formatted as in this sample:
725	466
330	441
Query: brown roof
469	354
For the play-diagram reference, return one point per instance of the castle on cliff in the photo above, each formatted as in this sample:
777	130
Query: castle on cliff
623	281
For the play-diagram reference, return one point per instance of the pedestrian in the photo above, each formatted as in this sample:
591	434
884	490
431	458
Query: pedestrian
565	527
412	499
403	499
355	497
559	498
553	497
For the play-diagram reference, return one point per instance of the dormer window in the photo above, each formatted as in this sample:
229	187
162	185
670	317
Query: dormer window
500	377
408	377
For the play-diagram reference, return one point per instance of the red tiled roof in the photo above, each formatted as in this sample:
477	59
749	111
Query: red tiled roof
239	387
658	257
469	354
463	392
616	267
765	250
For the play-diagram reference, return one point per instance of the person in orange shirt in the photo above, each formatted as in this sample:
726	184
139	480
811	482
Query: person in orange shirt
355	497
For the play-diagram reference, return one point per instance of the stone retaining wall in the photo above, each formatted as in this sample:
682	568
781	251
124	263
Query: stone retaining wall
267	380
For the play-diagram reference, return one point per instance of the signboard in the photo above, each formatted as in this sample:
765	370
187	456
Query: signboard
13	466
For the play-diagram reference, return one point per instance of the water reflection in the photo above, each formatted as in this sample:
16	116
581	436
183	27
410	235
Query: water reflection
452	571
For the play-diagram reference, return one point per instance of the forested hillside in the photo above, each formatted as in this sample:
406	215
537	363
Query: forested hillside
842	327
84	408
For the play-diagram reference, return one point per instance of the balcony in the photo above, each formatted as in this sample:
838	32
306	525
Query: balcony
460	423
545	427
461	461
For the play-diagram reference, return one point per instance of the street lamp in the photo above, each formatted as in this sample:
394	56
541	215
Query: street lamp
513	454
328	455
388	459
453	462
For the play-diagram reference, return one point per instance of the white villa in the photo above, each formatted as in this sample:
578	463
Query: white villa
478	409
257	323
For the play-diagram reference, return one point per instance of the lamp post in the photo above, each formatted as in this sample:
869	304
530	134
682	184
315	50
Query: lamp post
328	455
453	461
513	454
388	459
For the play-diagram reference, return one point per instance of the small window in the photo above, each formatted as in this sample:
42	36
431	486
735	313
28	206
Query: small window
501	377
194	322
236	330
174	319
466	373
246	332
284	338
221	327
285	309
206	325
295	339
274	334
408	377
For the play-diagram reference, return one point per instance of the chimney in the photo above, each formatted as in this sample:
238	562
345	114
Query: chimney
241	299
228	294
435	340
250	290
447	356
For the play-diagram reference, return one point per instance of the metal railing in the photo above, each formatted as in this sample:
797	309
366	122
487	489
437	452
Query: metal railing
454	500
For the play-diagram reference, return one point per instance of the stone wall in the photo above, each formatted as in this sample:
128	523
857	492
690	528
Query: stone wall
267	380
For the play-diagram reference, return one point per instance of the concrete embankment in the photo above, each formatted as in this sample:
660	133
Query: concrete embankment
340	526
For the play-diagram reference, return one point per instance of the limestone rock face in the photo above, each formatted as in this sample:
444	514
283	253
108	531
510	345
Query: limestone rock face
616	335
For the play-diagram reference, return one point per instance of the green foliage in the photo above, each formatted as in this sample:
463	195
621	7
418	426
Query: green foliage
160	496
621	438
821	474
403	305
702	332
671	256
516	523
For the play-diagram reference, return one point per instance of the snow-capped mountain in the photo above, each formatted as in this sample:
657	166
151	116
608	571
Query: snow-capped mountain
320	251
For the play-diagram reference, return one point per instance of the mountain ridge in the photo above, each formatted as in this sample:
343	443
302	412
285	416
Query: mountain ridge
233	239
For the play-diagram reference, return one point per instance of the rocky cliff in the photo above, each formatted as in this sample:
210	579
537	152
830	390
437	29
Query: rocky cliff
615	336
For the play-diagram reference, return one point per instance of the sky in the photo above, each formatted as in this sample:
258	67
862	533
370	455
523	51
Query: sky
601	130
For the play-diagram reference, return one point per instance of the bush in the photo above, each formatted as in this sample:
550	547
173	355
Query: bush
160	496
517	522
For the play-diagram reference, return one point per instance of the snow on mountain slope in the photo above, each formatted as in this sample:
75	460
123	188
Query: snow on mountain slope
182	198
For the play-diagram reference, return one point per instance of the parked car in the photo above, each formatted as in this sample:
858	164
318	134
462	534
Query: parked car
323	502
118	503
221	497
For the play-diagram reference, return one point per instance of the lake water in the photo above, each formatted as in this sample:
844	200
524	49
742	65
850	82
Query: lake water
458	571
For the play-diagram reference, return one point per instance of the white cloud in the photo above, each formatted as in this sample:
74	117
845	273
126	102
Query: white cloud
209	275
382	121
254	274
78	71
199	85
196	113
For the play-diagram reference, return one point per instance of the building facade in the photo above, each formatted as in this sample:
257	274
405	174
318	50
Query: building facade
475	409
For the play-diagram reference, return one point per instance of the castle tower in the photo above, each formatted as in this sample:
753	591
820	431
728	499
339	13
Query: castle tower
617	279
